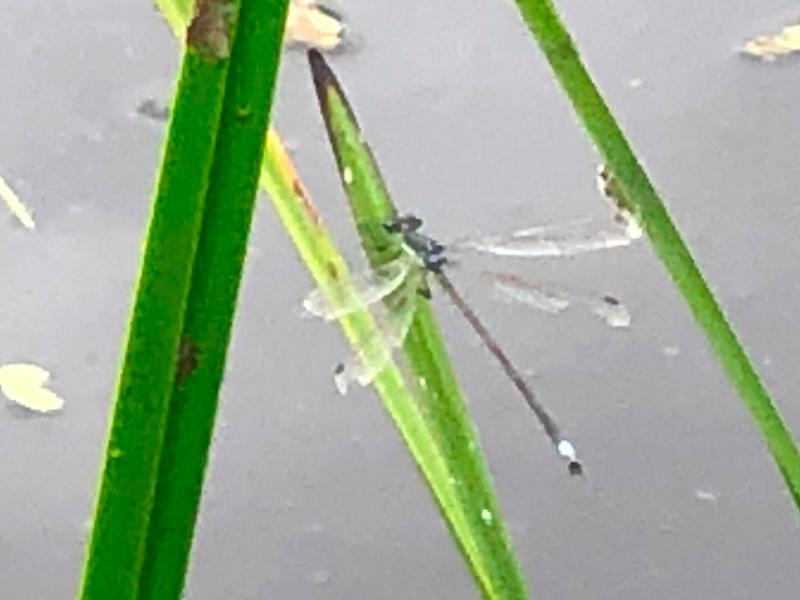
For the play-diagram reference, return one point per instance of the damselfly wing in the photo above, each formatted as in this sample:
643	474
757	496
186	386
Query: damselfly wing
554	299
550	241
357	292
401	279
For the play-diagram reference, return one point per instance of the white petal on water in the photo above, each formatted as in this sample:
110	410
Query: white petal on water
23	374
22	383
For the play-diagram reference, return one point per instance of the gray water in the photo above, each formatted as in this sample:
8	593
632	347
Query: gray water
311	495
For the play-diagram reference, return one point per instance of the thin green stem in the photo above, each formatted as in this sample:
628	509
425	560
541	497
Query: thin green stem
185	303
212	299
127	488
464	490
647	206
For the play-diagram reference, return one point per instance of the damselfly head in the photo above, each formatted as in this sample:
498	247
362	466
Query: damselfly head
392	226
403	224
429	251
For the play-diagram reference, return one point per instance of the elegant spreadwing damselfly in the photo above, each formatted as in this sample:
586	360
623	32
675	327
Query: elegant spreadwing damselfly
391	292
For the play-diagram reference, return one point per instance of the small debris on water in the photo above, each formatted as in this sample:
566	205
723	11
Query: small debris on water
340	379
613	312
706	496
151	108
321	577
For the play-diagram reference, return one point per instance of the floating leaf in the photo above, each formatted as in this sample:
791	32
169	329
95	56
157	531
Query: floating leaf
23	384
16	206
770	47
314	25
308	23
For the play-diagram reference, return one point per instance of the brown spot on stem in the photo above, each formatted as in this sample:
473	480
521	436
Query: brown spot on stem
278	154
210	31
333	272
187	359
300	192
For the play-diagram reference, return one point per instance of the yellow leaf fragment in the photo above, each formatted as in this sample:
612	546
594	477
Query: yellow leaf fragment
314	25
23	384
177	14
16	206
770	47
307	23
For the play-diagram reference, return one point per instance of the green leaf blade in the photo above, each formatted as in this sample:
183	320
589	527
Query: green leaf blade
136	436
463	489
161	429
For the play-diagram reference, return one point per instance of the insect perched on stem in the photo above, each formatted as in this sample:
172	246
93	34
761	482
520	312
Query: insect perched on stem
391	293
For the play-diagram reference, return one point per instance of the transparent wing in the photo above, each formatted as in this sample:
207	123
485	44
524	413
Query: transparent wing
358	291
550	299
393	320
563	239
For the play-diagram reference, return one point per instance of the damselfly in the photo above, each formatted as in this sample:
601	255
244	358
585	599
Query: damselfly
391	291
